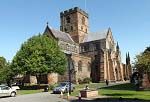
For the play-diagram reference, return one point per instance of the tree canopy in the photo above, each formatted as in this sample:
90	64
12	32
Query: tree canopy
2	68
142	62
5	71
39	55
2	62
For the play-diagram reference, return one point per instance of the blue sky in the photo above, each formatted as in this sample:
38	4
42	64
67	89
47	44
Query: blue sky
129	21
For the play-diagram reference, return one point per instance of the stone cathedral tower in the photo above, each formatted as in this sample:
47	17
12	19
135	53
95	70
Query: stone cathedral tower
75	22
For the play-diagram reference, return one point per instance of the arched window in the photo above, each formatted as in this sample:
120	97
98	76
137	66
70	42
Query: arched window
83	20
68	19
73	64
71	28
80	66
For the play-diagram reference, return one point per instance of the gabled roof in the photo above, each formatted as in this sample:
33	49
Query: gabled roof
96	36
59	34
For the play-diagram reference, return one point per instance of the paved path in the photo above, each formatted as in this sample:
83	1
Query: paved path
39	97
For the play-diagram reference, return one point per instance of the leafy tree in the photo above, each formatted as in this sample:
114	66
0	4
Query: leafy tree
142	62
2	68
2	62
147	49
39	55
5	71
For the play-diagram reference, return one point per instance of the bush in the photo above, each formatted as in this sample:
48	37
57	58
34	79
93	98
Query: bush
84	81
32	87
80	81
51	87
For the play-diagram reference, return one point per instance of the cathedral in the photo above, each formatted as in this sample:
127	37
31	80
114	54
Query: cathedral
91	55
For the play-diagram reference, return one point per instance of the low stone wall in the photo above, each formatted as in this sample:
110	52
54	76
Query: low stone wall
89	93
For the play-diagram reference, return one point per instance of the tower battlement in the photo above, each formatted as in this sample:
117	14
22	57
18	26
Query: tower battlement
73	10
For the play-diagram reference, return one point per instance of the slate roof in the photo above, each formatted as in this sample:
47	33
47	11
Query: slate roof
60	35
96	36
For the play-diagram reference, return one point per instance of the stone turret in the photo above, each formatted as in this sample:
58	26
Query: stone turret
128	66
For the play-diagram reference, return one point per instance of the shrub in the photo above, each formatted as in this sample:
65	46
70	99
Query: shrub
32	87
51	87
86	80
80	81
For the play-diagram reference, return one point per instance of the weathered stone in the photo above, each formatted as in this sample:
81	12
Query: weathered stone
89	93
33	80
52	78
101	53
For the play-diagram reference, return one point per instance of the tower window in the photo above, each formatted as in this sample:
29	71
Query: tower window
83	20
68	19
97	46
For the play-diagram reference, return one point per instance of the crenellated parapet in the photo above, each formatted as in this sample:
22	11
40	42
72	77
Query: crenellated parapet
73	10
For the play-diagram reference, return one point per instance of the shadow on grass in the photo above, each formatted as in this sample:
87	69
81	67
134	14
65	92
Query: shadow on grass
118	94
111	100
127	86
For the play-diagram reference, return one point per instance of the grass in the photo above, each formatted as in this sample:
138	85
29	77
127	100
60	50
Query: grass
144	95
123	90
82	86
31	89
22	92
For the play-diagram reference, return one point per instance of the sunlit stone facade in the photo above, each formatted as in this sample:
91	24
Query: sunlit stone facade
93	55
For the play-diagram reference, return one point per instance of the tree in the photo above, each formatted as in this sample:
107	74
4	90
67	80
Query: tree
5	71
2	68
39	55
142	62
147	49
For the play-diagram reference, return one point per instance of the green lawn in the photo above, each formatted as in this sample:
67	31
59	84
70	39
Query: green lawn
116	91
31	89
22	92
82	86
145	95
